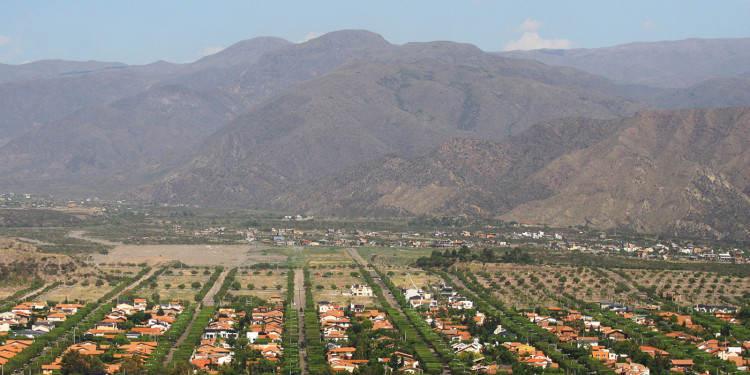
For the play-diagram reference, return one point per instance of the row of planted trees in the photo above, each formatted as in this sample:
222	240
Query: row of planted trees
291	364
316	361
185	349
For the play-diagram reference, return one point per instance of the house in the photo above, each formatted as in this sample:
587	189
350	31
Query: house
587	342
650	350
361	290
629	368
68	308
682	365
139	304
276	299
714	308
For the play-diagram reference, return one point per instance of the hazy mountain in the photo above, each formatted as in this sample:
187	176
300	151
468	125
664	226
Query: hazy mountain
27	105
676	172
97	141
672	64
50	90
712	93
52	69
366	109
241	53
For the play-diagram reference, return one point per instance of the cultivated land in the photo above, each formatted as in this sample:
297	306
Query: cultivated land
527	286
691	288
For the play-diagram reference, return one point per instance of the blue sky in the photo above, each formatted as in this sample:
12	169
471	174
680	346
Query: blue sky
140	32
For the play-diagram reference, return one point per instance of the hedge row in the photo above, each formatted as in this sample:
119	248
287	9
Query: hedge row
225	285
170	337
13	300
291	360
209	284
426	356
316	360
185	350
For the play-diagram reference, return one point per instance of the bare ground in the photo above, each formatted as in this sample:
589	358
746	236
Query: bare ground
194	255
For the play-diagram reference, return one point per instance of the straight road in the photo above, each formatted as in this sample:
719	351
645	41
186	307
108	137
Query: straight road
208	300
392	301
299	301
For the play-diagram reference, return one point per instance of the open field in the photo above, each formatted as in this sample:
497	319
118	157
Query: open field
194	255
393	256
168	285
77	292
326	256
404	276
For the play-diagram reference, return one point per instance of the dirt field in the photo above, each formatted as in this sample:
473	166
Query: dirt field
403	277
77	292
194	255
9	288
173	292
277	278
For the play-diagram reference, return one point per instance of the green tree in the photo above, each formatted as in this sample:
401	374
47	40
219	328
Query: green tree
73	362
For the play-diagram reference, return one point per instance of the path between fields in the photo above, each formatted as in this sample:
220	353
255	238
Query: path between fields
79	234
392	301
208	300
299	302
133	284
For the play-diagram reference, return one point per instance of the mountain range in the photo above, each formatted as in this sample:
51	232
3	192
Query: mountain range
350	124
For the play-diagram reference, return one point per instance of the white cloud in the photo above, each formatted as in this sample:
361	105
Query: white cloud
210	50
531	40
4	40
530	26
311	35
650	26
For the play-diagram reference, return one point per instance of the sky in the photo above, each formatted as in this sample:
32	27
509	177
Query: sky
141	32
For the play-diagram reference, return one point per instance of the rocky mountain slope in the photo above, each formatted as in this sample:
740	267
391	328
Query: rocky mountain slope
677	172
367	109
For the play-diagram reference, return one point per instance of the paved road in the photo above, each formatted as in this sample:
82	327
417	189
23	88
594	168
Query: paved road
392	301
299	301
208	300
